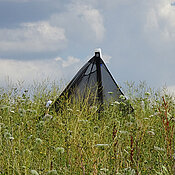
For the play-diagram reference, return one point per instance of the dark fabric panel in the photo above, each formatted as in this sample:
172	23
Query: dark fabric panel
86	87
79	75
69	90
111	90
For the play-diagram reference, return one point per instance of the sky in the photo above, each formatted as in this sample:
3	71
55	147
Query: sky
53	39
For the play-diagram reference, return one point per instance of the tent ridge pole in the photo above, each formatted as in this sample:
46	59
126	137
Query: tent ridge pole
99	78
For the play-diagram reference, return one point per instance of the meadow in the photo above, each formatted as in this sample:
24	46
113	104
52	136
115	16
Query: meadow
34	140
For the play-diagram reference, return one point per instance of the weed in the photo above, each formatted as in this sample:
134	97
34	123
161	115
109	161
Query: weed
34	140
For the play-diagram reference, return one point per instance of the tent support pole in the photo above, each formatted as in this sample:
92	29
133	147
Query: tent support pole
99	83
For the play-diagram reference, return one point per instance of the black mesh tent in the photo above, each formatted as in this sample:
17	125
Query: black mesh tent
93	80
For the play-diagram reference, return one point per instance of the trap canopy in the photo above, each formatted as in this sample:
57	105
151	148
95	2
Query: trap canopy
93	82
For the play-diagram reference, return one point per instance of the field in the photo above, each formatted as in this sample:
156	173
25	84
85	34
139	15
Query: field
34	140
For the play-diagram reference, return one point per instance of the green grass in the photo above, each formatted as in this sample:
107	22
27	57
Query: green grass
75	141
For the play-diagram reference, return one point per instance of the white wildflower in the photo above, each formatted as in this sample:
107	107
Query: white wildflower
11	138
59	150
104	170
29	137
47	117
116	102
34	172
93	108
151	133
147	94
69	109
38	141
2	125
129	123
96	128
7	135
48	103
142	104
156	113
70	132
123	132
52	172
83	121
158	148
27	152
102	145
129	171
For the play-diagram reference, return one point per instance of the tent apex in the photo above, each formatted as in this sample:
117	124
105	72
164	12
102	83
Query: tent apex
98	52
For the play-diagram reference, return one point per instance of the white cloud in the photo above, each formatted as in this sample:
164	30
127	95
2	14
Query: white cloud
58	59
32	37
160	19
105	4
30	70
14	0
139	34
93	18
81	21
66	63
106	58
21	1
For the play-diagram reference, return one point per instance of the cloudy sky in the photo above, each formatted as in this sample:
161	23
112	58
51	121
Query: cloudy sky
54	38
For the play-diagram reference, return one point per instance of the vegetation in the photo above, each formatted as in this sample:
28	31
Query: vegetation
36	141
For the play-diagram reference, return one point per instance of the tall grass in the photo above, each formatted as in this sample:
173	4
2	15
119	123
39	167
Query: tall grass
75	141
